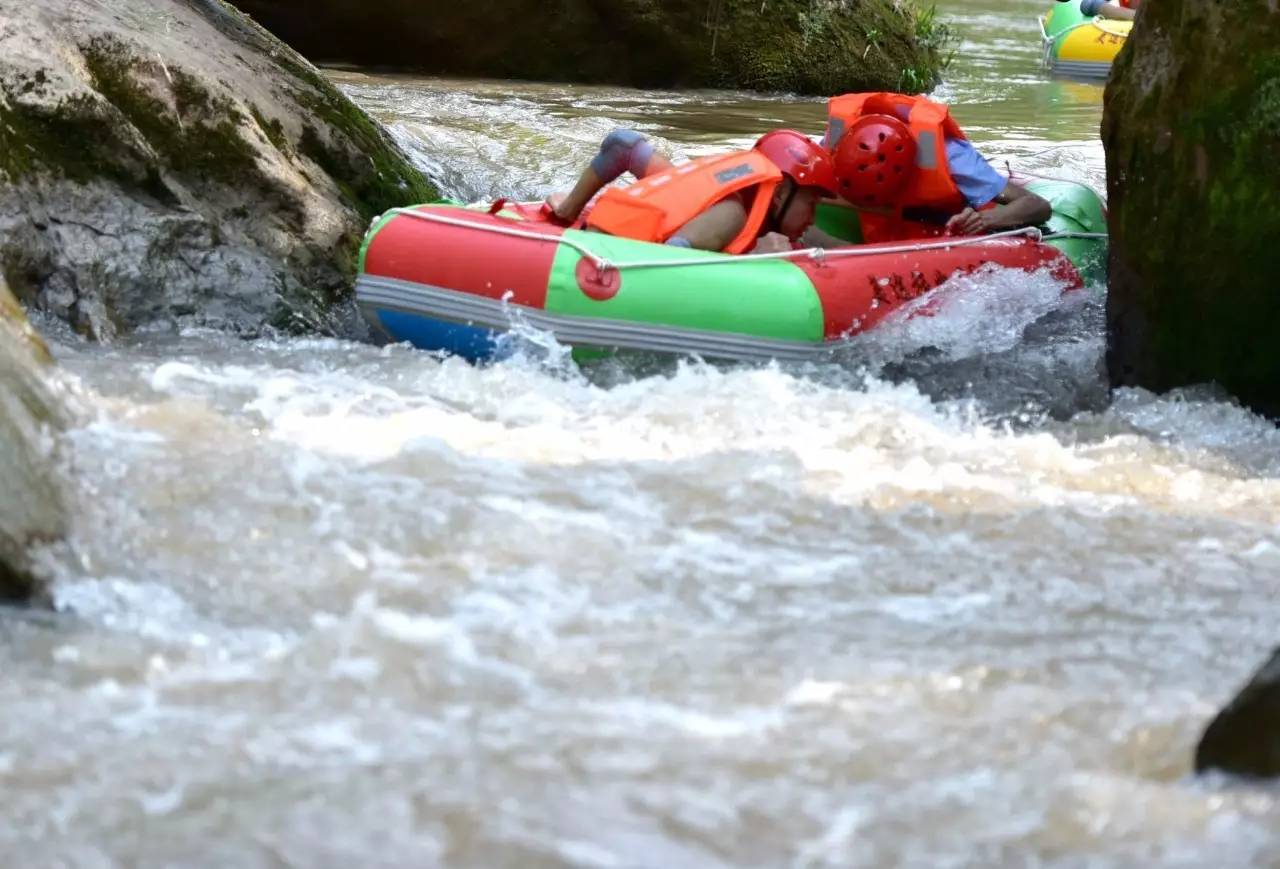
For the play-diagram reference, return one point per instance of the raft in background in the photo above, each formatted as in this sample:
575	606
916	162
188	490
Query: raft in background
1080	46
455	279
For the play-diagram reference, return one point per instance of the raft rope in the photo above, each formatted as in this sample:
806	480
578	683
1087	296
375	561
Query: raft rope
816	254
1096	21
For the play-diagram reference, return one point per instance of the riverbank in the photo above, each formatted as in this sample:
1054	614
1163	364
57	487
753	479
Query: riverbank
823	47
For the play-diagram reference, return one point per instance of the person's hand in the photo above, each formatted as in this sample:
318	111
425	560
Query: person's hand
814	237
970	222
772	242
554	204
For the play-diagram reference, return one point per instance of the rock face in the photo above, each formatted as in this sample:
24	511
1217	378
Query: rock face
169	159
32	508
1192	131
1245	737
807	46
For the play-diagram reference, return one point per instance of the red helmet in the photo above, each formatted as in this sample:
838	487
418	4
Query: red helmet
874	160
800	159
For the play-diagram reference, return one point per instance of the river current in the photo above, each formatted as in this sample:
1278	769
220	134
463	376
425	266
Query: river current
939	602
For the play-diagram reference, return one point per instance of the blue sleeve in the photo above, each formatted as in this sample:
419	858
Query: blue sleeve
978	182
1091	7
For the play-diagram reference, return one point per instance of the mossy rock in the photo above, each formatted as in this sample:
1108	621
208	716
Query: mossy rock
804	46
1192	184
205	172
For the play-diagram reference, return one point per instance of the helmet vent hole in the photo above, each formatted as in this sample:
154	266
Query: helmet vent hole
880	158
882	137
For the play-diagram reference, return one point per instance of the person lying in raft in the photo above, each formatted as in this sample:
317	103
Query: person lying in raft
754	201
908	168
1120	10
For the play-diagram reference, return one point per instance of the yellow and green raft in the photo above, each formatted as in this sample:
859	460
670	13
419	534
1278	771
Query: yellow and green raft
1080	46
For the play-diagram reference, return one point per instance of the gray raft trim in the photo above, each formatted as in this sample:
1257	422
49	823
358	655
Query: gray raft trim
1080	68
373	292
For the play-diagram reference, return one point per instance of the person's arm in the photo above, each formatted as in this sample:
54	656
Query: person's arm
1016	206
982	185
814	237
1116	12
713	228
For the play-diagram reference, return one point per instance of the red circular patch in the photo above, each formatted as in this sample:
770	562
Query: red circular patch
596	283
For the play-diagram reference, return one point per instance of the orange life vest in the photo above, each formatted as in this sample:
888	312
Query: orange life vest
655	207
931	188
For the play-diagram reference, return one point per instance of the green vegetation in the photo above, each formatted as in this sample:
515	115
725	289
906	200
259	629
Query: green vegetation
936	39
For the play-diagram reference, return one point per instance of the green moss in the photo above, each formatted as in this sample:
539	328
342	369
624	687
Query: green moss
1267	108
273	130
199	137
371	173
826	49
36	137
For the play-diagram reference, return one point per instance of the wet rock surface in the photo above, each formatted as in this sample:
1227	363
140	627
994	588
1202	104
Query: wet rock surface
171	161
1244	738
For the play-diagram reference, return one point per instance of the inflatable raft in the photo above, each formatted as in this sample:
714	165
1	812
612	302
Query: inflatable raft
1079	46
455	279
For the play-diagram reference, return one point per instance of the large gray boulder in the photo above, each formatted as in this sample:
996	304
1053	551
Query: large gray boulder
1244	738
1192	132
808	46
168	160
32	414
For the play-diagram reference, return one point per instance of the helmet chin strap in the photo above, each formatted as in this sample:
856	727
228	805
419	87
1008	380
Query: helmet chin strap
775	217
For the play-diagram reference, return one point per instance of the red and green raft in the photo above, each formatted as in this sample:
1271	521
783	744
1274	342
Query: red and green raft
454	279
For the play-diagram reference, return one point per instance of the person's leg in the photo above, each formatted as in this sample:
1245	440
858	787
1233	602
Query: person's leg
624	151
621	151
